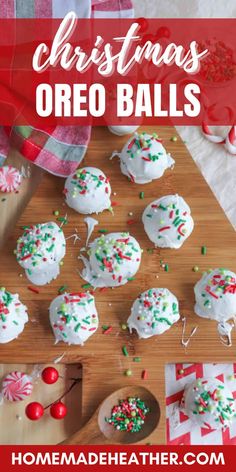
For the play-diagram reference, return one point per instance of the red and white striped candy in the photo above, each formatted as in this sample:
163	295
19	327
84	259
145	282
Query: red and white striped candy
17	386
10	179
229	142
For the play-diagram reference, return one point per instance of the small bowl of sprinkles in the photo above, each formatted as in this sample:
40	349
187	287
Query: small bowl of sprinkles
219	66
129	415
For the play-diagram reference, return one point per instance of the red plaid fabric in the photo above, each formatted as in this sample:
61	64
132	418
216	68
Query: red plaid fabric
58	150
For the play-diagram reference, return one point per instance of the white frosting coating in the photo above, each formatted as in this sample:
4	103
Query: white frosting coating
215	295
113	259
73	317
153	312
88	191
13	316
40	250
144	158
209	403
122	129
168	222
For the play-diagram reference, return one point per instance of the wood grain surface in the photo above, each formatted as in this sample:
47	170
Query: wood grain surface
101	357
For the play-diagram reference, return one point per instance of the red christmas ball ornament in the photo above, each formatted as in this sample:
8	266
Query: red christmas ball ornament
162	32
50	375
34	411
58	410
143	23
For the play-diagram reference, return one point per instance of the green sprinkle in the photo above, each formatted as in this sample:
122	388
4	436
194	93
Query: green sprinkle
195	269
174	139
105	327
141	195
123	326
103	231
137	359
130	279
166	268
56	213
125	352
86	286
204	250
128	373
77	327
62	288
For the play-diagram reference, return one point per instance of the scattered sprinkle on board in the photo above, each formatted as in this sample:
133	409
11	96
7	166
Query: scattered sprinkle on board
203	250
123	326
144	374
108	330
125	352
128	373
86	286
33	289
62	288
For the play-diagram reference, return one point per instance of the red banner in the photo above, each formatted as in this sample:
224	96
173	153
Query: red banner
20	458
111	71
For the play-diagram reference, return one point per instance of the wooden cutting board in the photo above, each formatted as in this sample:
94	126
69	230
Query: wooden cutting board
101	357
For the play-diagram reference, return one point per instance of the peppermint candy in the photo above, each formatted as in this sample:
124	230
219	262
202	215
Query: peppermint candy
229	142
10	179
17	386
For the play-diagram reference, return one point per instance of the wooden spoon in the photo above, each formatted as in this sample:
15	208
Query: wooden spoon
98	431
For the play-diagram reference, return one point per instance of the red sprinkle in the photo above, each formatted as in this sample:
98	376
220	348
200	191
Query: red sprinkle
144	374
26	257
131	222
164	228
180	228
32	289
108	330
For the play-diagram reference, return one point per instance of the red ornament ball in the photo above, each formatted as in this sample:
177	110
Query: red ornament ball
143	23
50	375
163	32
58	410
34	411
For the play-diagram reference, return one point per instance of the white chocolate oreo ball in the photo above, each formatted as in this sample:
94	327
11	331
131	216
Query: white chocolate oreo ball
144	158
88	191
168	221
13	316
153	312
122	129
215	295
73	317
209	404
40	250
113	259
